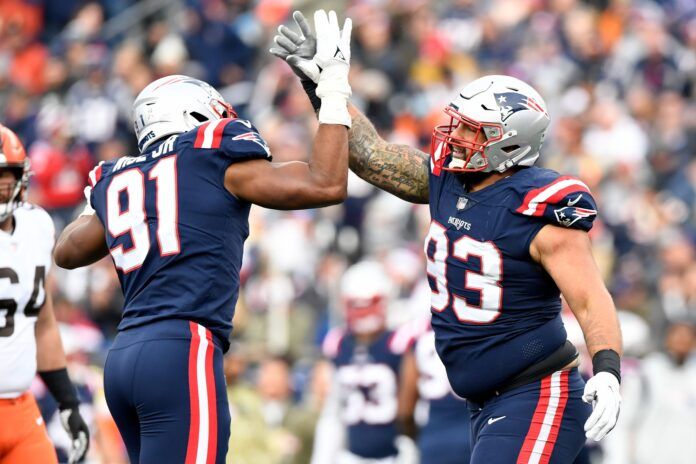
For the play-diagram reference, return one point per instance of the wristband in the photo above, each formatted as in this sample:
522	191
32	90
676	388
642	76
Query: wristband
310	88
607	361
58	383
334	110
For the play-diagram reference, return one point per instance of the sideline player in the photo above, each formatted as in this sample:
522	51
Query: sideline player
506	239
442	417
174	219
29	337
361	418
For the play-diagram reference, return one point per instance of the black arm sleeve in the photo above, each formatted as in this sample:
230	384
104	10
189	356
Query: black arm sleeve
59	384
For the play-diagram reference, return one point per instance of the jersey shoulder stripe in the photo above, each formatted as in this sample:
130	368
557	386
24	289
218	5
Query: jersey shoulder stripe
209	134
234	138
95	174
332	342
536	200
406	335
561	200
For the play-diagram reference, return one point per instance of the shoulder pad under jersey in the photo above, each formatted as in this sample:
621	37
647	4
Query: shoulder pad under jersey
560	200
235	138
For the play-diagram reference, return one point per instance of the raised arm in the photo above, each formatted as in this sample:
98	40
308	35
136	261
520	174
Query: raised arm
322	181
296	185
398	169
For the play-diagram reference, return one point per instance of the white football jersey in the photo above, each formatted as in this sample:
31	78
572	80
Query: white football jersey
25	259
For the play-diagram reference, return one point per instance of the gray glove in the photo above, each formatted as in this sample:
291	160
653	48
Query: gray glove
292	47
302	45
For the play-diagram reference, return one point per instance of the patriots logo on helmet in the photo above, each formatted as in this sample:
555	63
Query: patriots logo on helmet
569	215
252	137
512	102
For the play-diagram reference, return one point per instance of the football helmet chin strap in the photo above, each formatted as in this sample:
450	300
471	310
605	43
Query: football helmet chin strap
15	197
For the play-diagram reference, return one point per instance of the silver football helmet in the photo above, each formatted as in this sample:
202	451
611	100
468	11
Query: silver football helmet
508	120
176	104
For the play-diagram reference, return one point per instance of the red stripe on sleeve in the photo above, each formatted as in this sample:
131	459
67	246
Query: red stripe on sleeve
533	193
217	133
555	428
95	175
541	206
192	447
212	400
558	196
537	421
200	134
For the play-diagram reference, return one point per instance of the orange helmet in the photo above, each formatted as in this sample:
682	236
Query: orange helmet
14	159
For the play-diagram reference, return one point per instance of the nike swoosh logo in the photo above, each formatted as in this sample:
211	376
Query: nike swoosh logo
495	419
572	202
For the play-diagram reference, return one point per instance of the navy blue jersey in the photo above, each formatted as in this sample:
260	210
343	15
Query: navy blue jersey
443	419
495	310
174	232
367	375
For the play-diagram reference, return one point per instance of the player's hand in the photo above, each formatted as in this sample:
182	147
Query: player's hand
602	391
302	45
77	430
333	54
332	61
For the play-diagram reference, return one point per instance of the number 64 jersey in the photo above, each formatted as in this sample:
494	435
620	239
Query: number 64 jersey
495	311
25	259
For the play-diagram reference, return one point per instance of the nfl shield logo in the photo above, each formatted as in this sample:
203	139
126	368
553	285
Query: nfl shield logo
461	203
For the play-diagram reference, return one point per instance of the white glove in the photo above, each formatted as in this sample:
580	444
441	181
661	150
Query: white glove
602	391
329	67
88	211
407	450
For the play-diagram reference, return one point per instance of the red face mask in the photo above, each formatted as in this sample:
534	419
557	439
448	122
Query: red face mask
365	315
443	142
223	109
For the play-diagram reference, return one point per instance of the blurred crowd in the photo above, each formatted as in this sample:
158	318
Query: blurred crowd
619	78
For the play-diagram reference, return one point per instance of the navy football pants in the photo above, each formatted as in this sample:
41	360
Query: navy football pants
165	388
541	422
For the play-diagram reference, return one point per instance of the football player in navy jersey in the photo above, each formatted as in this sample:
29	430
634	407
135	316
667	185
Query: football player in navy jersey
174	219
361	418
442	417
506	240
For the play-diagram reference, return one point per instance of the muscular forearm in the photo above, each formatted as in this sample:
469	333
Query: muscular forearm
81	243
49	350
397	169
329	166
600	326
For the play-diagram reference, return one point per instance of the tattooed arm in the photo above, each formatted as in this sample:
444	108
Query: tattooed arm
397	169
